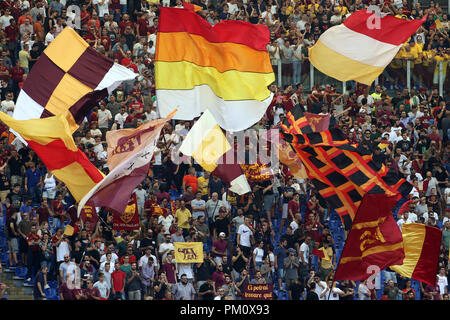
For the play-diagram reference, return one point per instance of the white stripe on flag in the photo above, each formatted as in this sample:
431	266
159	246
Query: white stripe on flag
230	115
114	77
198	133
358	46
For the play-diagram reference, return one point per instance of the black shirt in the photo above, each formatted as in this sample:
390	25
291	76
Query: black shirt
312	295
10	231
15	165
222	225
296	290
204	271
239	264
206	287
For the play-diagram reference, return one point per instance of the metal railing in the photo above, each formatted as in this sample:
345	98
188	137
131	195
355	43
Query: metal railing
407	74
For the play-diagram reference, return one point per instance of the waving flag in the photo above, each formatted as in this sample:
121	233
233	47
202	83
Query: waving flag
68	76
374	240
341	172
51	139
360	48
128	219
225	68
422	247
207	144
192	7
129	155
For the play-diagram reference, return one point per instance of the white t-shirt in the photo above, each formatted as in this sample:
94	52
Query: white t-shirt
185	268
102	288
164	246
334	294
447	195
412	217
259	253
103	117
114	257
144	260
62	250
120	118
294	225
244	233
318	290
431	214
102	8
6	105
442	283
166	222
305	249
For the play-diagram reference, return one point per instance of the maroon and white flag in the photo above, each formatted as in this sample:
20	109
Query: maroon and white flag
129	155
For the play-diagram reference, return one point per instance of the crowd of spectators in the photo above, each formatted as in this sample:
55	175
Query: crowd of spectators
263	237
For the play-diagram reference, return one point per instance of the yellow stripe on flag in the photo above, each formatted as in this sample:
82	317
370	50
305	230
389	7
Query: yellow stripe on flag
66	49
413	238
42	131
229	85
205	142
340	67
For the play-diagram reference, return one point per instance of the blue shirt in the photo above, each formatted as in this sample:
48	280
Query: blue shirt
33	178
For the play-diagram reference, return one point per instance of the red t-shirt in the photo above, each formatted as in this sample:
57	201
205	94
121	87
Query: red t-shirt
106	42
119	278
17	73
294	207
123	25
143	27
139	107
220	246
191	181
57	207
43	214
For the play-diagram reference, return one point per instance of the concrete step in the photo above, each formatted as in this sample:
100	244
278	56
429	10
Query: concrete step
16	290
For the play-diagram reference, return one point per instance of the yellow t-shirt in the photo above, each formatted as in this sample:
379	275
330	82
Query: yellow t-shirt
444	60
327	264
183	217
23	58
396	62
343	10
316	7
203	185
427	56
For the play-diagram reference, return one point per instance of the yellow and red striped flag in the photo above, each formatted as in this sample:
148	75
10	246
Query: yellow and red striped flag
51	139
360	48
422	247
220	67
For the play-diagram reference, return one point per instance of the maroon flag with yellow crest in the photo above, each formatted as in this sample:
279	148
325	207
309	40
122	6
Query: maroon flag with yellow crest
374	239
129	218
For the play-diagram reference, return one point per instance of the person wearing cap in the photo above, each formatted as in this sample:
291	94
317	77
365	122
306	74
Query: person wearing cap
222	223
220	248
291	265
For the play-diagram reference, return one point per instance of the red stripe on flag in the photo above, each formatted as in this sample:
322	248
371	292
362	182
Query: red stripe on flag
55	155
183	20
391	29
426	267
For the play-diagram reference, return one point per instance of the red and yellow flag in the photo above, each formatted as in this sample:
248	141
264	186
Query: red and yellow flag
220	67
51	139
374	239
422	247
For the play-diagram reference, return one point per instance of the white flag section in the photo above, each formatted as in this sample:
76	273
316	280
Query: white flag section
136	165
230	115
205	142
129	154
